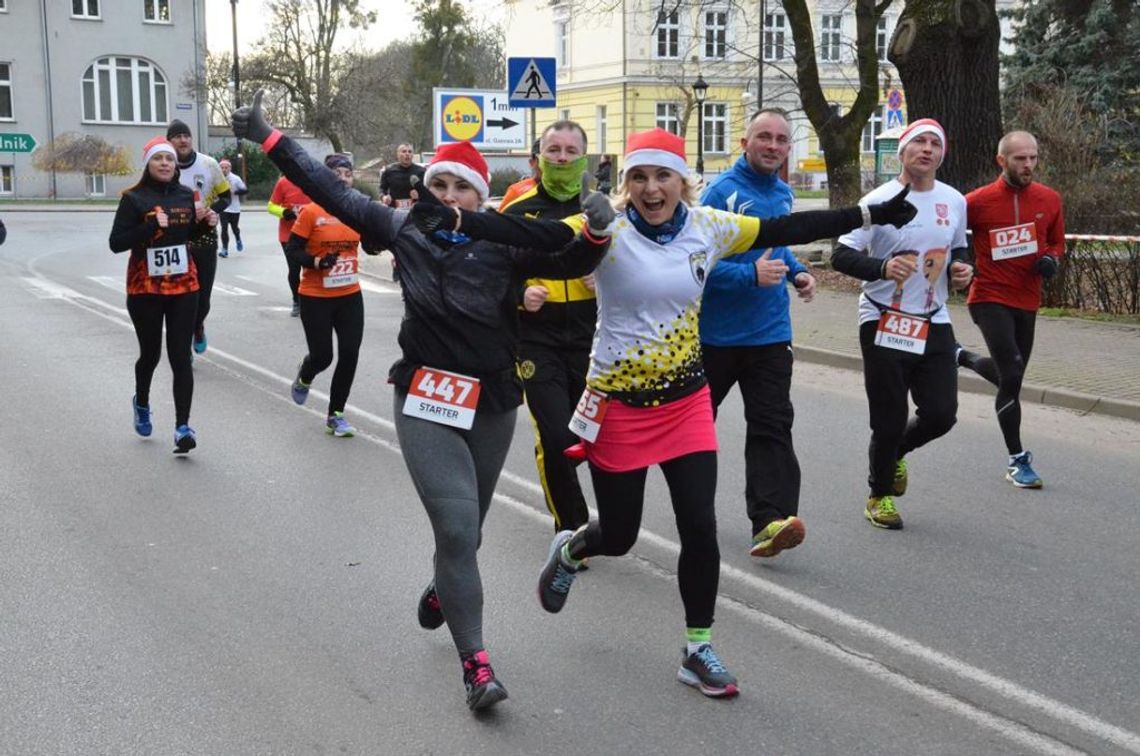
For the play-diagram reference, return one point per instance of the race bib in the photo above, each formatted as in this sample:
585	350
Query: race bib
587	418
400	203
442	397
167	261
341	274
905	333
1014	241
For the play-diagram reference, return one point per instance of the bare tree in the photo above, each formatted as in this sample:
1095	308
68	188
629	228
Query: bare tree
82	153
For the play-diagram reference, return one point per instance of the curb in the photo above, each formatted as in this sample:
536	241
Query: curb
1046	395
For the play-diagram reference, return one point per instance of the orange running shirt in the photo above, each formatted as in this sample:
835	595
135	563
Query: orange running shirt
325	234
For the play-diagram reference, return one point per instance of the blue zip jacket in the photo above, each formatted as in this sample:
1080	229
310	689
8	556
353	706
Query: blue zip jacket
735	311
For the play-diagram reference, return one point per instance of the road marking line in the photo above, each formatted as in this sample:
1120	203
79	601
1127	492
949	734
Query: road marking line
1007	689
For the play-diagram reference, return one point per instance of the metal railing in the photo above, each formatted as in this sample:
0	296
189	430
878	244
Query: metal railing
1097	273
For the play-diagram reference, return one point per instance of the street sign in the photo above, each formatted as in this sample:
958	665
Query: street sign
484	118
895	117
532	82
17	143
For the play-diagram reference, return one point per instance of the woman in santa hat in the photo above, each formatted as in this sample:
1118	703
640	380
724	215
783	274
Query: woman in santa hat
456	388
154	221
647	402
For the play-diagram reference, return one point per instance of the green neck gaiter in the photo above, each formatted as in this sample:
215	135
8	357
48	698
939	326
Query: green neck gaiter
562	181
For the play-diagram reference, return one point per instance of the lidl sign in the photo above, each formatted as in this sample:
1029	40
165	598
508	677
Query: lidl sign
484	118
17	143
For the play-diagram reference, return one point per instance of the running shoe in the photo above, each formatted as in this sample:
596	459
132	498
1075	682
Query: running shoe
483	690
200	339
296	311
430	614
300	389
1021	473
556	578
704	670
223	252
336	425
898	486
185	439
777	536
240	246
881	513
143	426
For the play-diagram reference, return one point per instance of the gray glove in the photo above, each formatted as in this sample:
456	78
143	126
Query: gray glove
249	121
599	212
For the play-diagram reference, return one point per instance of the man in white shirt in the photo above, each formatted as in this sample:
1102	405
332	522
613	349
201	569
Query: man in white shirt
232	214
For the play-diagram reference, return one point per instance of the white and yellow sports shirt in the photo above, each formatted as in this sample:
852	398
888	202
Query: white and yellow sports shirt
647	344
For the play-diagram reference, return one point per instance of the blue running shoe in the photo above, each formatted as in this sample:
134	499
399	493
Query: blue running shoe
200	340
556	577
300	389
704	670
185	439
223	252
142	418
337	426
240	246
1021	473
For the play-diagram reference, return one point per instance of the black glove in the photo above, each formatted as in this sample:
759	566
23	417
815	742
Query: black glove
249	121
289	214
429	214
328	260
1046	265
599	212
3	232
895	212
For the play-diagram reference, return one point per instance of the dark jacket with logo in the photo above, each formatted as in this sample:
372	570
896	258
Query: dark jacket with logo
461	299
396	180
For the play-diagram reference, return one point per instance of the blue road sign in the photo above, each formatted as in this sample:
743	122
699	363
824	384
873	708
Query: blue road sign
531	82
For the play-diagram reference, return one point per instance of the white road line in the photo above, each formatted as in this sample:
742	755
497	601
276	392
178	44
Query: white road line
236	291
114	283
1007	689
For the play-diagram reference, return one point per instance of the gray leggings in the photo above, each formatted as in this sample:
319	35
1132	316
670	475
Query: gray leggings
455	472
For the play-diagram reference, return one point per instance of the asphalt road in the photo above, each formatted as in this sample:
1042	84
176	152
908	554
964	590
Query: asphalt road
258	595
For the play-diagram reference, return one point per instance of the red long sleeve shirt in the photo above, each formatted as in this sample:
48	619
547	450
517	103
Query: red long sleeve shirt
1013	227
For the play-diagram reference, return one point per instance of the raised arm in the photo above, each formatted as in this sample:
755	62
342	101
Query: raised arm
808	226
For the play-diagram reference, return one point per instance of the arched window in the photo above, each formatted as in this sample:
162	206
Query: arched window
124	90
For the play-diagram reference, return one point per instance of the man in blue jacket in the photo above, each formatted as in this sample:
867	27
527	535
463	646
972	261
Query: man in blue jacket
746	333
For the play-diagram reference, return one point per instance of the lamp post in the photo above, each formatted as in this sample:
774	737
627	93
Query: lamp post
237	81
760	61
700	89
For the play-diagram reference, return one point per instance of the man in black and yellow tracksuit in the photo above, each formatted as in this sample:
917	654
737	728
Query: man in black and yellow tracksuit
556	331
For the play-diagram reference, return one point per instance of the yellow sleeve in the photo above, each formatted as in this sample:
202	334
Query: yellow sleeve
275	210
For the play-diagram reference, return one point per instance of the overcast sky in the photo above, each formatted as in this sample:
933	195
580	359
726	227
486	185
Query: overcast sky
393	21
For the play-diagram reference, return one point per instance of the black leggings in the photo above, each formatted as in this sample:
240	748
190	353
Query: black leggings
692	489
294	273
230	219
148	311
206	260
1008	332
321	316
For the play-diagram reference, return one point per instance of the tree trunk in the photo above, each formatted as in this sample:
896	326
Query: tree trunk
946	52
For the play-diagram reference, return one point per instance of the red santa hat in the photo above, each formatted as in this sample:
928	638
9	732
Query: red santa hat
924	126
656	147
155	146
462	160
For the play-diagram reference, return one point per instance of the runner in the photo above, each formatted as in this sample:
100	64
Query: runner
1019	238
647	402
522	186
396	180
285	203
904	326
556	328
155	220
330	300
456	388
203	176
232	214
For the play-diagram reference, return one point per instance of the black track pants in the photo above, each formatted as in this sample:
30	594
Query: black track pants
294	273
321	317
148	313
1008	332
206	259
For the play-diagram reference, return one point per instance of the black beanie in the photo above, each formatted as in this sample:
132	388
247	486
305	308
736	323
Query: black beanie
338	160
177	128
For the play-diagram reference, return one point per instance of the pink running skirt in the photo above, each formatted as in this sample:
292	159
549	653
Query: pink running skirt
635	437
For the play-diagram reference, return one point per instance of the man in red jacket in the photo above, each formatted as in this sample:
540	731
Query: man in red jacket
1019	238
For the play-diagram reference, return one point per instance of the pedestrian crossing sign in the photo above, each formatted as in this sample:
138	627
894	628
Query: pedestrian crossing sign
531	82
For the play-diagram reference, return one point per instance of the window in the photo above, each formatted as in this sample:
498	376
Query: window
600	129
873	128
85	8
124	90
716	24
668	35
882	39
775	25
6	91
157	11
667	117
715	127
562	42
7	179
564	114
829	38
94	184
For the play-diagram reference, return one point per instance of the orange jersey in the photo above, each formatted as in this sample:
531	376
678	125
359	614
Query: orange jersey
325	234
516	190
286	194
160	262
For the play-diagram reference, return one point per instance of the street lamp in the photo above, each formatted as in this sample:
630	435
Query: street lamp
237	83
700	89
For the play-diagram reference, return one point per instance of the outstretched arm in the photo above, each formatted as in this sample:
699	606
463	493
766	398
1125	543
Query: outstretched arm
800	228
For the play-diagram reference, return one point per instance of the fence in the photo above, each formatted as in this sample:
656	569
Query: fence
1098	273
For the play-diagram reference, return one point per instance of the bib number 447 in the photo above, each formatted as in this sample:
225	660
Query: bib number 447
442	397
